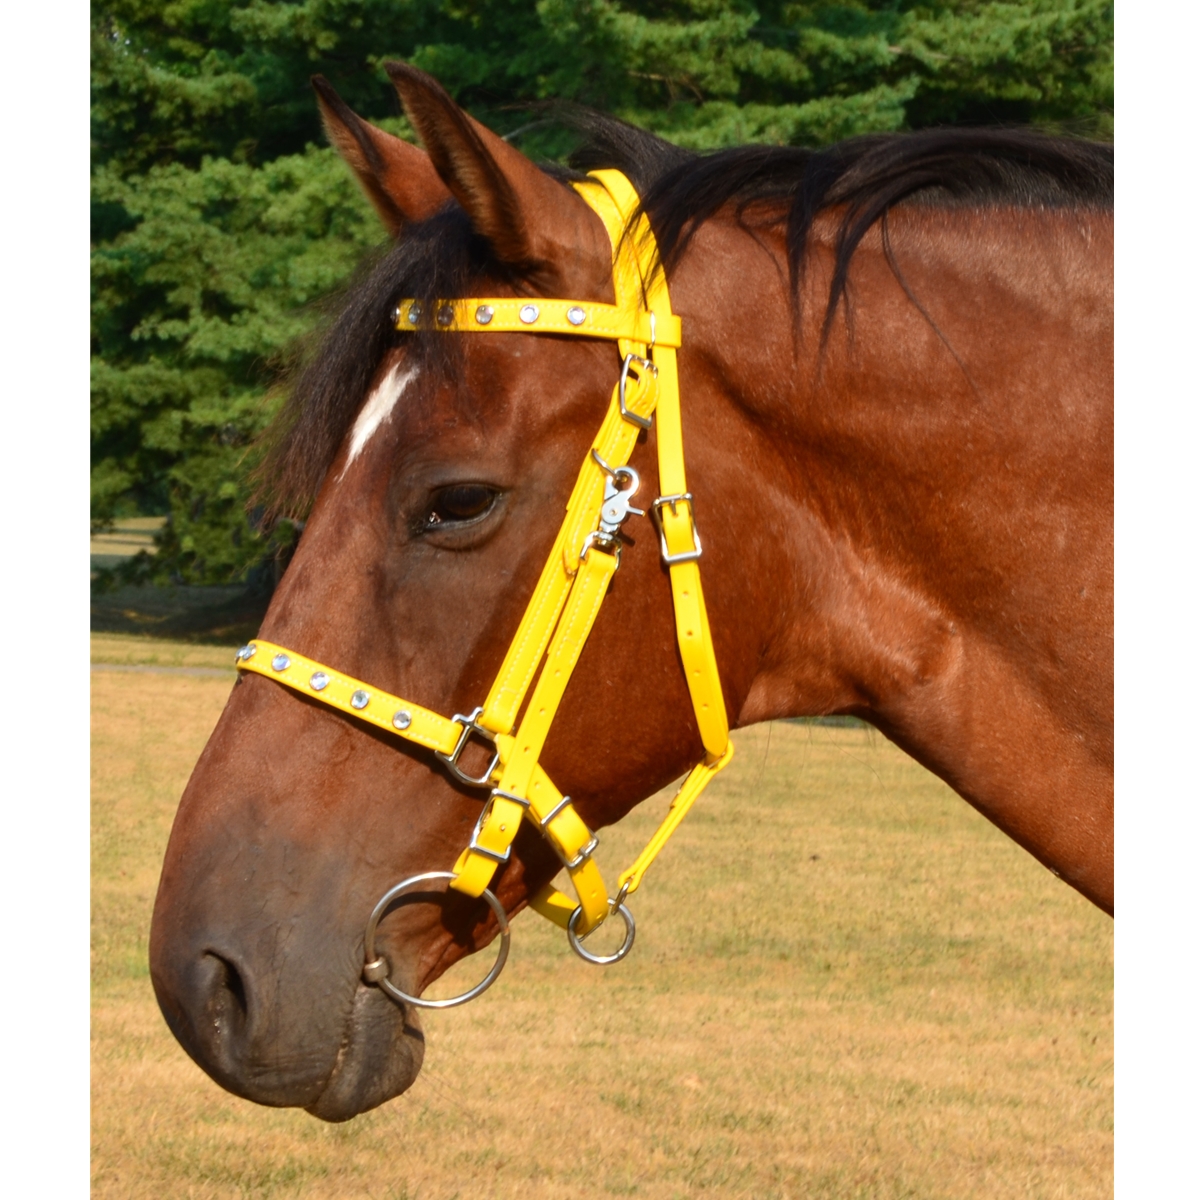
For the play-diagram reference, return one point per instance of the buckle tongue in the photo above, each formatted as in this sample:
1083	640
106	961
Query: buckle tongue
486	812
673	501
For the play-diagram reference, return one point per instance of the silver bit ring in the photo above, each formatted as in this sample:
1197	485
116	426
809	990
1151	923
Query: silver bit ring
376	968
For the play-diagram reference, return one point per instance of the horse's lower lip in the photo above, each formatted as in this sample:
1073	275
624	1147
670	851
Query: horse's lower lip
380	1057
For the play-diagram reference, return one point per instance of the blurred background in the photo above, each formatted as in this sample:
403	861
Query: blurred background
221	220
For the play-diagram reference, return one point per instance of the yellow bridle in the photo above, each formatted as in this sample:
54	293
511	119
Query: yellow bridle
568	594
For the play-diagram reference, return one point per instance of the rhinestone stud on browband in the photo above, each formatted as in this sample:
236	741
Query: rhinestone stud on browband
528	314
576	315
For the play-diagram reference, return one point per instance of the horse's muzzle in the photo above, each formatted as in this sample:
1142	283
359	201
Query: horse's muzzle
281	1037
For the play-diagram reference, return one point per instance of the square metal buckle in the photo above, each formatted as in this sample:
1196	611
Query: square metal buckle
572	863
544	823
450	761
644	364
656	508
486	812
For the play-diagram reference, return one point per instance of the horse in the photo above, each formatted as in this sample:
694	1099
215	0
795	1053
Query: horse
894	370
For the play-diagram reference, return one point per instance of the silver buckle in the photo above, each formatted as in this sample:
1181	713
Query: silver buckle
545	821
572	863
473	845
450	761
656	507
646	365
543	825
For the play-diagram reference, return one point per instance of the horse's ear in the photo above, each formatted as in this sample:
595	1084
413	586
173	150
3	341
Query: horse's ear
397	176
531	220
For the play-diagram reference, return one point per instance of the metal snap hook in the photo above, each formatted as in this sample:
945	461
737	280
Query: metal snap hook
620	485
376	968
602	960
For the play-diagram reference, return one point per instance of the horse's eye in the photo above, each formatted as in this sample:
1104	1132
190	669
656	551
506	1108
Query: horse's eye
460	502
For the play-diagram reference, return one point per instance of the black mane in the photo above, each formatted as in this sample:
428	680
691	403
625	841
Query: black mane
865	176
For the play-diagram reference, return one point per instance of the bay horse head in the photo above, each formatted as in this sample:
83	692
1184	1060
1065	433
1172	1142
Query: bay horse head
867	494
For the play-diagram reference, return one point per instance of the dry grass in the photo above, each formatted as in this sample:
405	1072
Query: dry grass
133	649
846	984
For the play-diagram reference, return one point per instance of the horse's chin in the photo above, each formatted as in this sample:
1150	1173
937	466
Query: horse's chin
380	1057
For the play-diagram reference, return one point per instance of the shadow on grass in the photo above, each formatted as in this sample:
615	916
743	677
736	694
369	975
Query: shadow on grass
217	615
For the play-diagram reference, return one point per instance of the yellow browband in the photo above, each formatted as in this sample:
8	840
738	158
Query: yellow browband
572	585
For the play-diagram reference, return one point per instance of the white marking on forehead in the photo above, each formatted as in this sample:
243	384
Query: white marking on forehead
377	410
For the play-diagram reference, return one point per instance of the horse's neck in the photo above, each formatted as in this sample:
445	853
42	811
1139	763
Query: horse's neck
939	488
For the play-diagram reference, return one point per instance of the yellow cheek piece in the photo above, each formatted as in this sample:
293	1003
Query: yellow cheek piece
570	590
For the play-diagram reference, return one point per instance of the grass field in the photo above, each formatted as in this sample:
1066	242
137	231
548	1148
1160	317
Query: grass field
846	985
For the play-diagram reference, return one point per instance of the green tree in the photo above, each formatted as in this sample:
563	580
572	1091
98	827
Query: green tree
219	218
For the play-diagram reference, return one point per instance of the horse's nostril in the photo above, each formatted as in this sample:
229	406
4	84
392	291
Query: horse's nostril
227	1003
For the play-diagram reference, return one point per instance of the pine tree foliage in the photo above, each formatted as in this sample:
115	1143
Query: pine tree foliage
220	218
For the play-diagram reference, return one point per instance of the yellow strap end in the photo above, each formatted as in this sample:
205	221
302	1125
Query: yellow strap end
554	905
472	873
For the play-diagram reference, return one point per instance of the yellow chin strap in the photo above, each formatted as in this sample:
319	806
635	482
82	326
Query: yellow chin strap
571	588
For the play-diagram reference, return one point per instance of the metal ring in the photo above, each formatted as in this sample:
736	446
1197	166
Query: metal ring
602	960
373	965
616	473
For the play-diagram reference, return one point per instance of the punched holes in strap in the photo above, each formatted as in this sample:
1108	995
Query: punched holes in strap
521	763
491	842
573	842
475	845
635	275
